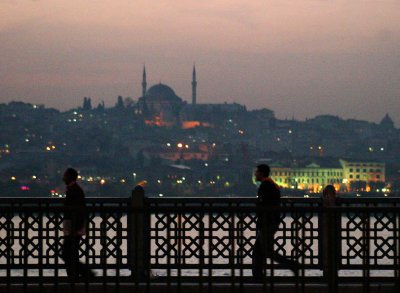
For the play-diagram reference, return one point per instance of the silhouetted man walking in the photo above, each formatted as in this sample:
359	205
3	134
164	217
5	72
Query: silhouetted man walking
268	195
74	226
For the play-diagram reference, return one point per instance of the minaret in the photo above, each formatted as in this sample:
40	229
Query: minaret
144	82
194	86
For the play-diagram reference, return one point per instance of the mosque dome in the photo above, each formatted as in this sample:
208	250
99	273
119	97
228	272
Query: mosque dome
162	92
387	121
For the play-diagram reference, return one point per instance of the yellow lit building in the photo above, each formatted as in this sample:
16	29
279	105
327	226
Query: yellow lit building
358	171
314	177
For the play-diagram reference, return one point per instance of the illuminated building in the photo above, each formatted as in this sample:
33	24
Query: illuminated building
312	177
179	153
361	171
160	106
343	175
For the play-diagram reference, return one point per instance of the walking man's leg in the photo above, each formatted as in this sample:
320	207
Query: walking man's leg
258	257
67	255
274	255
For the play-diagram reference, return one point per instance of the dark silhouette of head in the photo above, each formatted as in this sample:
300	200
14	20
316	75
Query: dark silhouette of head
329	190
262	171
70	175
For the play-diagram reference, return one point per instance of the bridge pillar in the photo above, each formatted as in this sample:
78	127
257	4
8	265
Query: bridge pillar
138	229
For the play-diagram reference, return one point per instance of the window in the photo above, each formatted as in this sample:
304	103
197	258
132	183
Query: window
378	176
358	176
351	176
351	170
357	170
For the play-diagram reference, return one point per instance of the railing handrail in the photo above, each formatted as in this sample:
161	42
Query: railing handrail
121	200
203	209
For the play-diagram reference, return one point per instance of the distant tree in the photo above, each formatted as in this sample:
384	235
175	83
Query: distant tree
129	102
358	185
376	185
101	106
120	103
87	103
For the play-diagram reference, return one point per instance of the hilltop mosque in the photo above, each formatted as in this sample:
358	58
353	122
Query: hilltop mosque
160	106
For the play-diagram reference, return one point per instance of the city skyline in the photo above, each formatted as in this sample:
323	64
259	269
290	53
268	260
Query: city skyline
299	59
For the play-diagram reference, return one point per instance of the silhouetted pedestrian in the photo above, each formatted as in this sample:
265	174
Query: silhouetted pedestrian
74	226
267	224
328	226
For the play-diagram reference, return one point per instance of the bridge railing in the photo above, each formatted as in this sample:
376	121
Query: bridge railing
205	240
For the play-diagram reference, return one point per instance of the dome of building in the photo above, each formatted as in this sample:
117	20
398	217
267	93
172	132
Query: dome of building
162	92
387	121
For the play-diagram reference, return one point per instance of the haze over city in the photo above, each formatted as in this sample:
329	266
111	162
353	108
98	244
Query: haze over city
299	58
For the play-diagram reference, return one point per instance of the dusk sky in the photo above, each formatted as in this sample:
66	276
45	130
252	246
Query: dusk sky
299	58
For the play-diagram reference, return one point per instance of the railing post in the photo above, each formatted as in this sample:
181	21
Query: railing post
138	235
333	247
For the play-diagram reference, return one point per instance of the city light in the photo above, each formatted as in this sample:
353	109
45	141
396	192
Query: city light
13	178
102	181
179	145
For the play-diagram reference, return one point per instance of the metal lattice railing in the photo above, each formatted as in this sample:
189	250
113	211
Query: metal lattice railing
203	239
